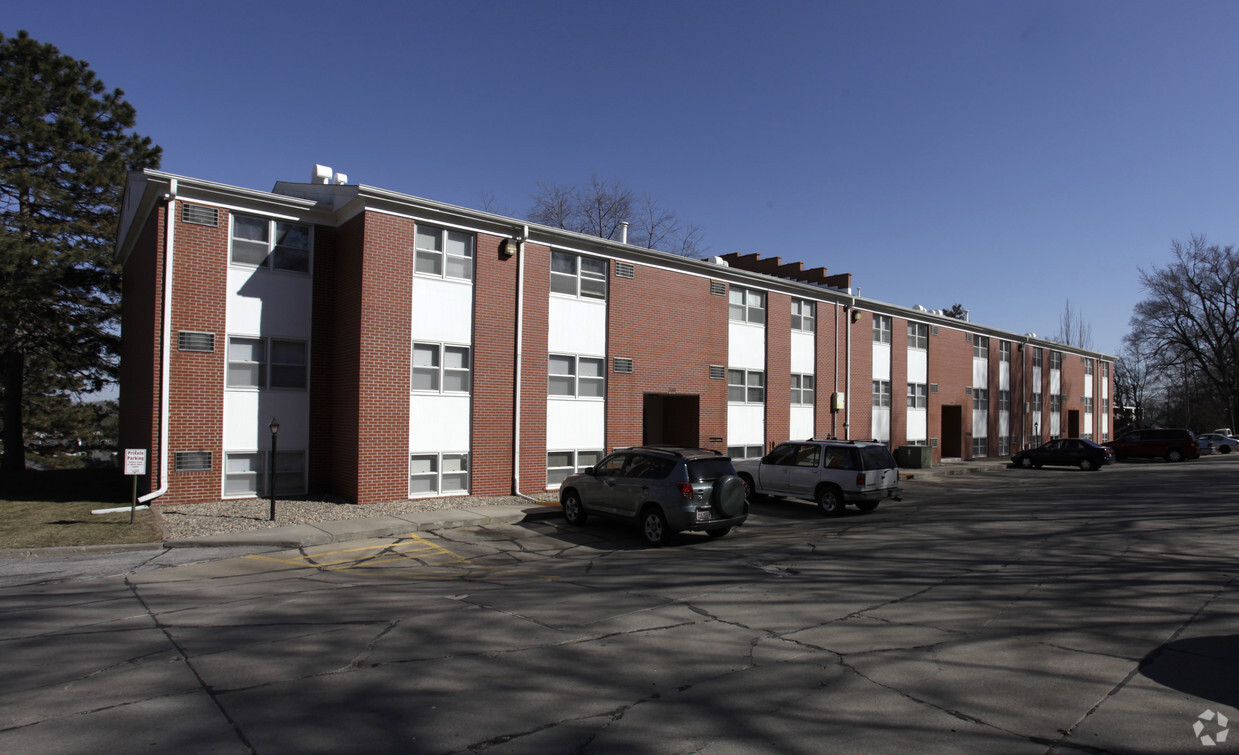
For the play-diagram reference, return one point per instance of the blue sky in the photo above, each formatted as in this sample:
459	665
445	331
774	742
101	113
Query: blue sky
1009	156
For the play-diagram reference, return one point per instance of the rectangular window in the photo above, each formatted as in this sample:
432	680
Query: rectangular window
881	329
1088	404
1004	401
290	472
1037	357
1036	402
918	396
980	447
561	464
1088	367
1105	406
746	386
273	244
802	390
1004	351
441	368
744	452
1056	403
918	336
267	363
980	347
245	474
881	394
1056	360
803	315
1105	370
748	306
980	399
575	275
443	253
438	474
576	376
1004	445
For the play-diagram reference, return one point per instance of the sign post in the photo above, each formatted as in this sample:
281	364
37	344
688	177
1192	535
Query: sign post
135	466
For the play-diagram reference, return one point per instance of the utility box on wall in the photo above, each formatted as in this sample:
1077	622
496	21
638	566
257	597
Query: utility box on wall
914	457
837	401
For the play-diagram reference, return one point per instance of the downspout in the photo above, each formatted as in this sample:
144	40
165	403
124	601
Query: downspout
520	346
847	372
165	366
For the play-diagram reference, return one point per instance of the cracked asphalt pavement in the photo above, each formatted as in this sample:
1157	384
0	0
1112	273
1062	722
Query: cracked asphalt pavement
1038	611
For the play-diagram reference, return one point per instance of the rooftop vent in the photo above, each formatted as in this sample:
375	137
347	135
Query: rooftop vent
325	175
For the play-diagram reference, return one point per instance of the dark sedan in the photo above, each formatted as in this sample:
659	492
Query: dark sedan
1066	452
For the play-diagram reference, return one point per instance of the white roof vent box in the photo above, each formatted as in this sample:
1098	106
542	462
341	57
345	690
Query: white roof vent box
325	175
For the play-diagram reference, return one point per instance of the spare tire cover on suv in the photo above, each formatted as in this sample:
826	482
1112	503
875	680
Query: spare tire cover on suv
728	495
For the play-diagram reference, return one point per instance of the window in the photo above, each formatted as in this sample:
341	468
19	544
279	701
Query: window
579	377
266	363
1004	445
918	396
245	474
980	447
574	275
1056	360
1088	404
881	329
1105	370
432	474
980	399
744	452
1056	403
802	390
881	394
1105	406
442	253
440	368
746	386
1004	401
290	472
748	306
918	335
273	244
1036	402
802	315
1004	351
1088	367
560	464
1037	357
980	347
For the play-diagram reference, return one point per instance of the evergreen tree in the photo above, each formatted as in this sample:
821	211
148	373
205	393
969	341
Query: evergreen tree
66	144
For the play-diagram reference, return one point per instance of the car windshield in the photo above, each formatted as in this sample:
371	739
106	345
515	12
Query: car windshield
705	470
877	457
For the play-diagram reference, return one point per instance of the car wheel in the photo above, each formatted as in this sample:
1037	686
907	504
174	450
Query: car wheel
867	506
1174	455
654	526
718	532
1225	449
830	499
574	512
1026	462
1086	465
748	487
728	495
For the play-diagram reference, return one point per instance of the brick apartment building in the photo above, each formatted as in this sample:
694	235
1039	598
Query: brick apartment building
409	348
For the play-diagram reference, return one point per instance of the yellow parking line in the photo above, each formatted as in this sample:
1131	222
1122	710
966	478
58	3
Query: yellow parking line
419	545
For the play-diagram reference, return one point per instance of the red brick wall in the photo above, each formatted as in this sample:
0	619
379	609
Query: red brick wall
950	366
860	394
141	350
535	345
494	369
384	349
640	310
828	423
778	367
899	382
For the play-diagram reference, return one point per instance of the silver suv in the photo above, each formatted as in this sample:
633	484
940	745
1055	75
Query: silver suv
831	472
664	489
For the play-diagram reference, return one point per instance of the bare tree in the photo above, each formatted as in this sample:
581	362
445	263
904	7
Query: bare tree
1135	377
1190	320
600	207
1073	330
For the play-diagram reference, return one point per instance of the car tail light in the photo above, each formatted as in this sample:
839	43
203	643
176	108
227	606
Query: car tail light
860	480
686	490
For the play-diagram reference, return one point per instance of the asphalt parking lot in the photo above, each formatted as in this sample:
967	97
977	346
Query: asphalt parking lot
1019	610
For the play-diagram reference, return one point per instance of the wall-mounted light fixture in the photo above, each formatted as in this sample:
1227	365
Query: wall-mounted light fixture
509	247
855	315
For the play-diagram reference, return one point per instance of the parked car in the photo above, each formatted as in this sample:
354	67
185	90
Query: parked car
831	472
1223	444
665	489
1068	452
1171	444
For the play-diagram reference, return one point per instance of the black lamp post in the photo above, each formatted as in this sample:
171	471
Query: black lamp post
274	427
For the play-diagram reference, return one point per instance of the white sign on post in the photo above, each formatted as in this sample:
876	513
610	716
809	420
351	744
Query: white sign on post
135	461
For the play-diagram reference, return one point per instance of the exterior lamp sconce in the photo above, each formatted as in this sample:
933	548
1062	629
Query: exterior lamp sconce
855	315
509	247
274	427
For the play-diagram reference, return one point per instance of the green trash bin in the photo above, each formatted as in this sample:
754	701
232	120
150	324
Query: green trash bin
914	457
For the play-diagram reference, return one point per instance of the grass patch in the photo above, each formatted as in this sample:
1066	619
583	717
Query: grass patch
52	508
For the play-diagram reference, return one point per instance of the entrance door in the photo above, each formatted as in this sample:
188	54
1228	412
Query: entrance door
671	419
952	442
1073	423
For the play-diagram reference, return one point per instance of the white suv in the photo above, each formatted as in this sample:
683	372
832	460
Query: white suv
833	473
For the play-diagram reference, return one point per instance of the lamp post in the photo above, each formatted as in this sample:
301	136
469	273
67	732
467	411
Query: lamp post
274	427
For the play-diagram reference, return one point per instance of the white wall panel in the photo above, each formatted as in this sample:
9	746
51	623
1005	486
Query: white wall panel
438	423
579	326
1004	376
918	366
801	425
918	424
442	311
268	303
882	424
980	423
247	419
803	356
980	373
881	361
1056	381
572	423
746	425
746	347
